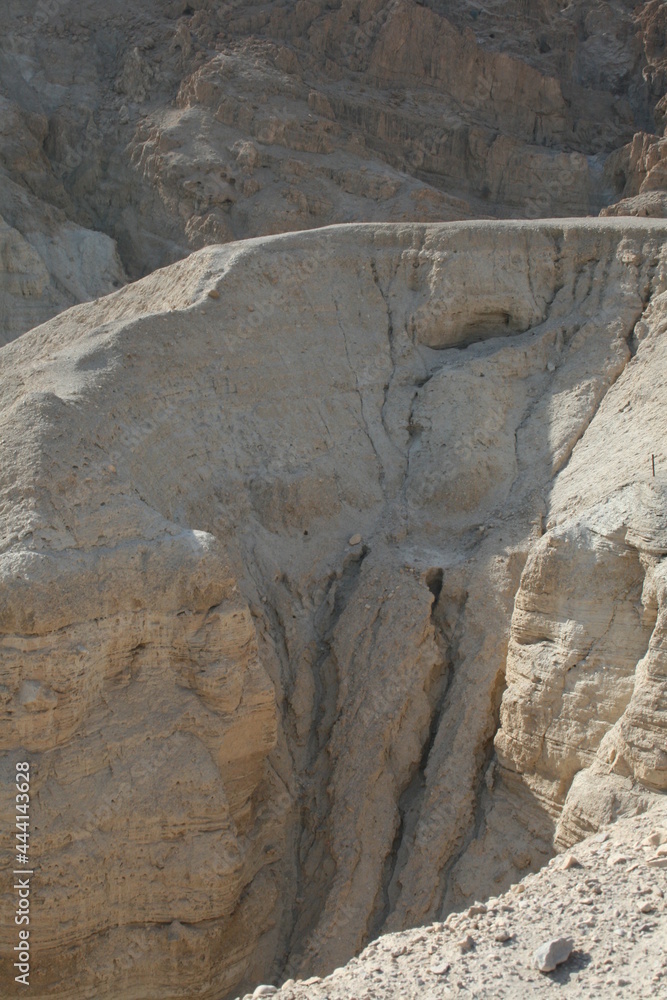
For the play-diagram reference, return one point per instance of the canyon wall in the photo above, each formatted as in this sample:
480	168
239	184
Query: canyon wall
178	125
332	591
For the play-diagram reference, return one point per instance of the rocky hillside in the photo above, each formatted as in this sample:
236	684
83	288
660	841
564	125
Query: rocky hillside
171	125
590	924
332	591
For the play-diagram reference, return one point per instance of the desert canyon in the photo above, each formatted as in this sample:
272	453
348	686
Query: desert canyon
333	497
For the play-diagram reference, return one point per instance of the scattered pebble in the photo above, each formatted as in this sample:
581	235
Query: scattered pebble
502	934
491	950
655	838
441	970
552	953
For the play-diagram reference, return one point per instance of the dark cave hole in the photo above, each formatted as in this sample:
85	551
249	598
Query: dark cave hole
434	582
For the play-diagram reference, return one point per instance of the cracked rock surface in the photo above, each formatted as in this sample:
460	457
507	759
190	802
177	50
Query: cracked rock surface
332	591
172	125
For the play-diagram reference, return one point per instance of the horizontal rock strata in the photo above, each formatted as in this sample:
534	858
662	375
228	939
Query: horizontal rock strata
189	124
332	591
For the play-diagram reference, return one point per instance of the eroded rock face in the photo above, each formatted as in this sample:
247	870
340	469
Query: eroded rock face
47	263
294	533
190	124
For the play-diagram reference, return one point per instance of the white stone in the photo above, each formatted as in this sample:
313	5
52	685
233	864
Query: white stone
552	953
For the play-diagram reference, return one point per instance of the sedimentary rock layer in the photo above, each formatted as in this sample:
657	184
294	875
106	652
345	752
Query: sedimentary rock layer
292	532
47	263
178	125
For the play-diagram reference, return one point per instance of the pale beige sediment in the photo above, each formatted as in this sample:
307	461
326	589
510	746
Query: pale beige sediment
256	744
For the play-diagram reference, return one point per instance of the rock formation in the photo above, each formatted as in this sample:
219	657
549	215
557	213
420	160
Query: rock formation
332	560
185	124
47	262
332	591
506	947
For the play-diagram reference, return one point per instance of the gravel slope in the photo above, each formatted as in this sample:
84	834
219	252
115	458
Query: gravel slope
607	896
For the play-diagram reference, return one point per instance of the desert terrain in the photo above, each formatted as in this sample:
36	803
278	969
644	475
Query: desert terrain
333	480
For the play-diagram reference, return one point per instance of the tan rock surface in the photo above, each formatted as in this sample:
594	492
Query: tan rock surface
187	124
257	740
47	263
607	902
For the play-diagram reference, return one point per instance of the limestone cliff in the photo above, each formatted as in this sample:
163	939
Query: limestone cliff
185	124
332	590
